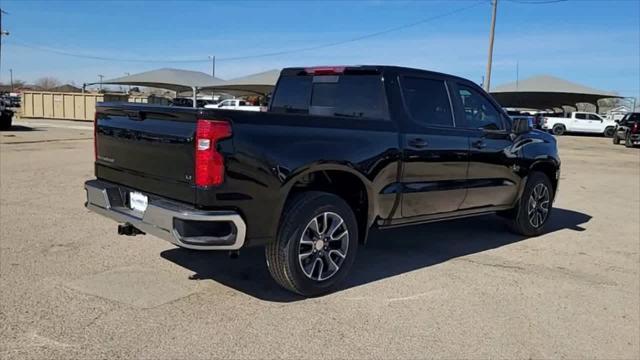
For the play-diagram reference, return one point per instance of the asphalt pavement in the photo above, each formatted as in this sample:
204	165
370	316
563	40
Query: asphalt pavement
70	287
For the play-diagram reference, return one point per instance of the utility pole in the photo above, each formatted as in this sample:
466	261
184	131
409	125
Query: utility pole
11	78
2	33
213	65
100	76
517	73
487	83
128	74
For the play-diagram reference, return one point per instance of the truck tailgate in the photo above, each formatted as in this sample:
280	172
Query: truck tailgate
148	148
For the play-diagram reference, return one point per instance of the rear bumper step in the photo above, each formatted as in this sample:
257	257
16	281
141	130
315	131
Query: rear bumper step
175	222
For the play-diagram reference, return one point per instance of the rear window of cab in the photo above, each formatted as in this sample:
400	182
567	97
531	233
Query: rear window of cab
339	95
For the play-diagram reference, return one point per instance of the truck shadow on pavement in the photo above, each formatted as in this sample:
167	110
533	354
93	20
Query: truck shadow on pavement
20	128
388	253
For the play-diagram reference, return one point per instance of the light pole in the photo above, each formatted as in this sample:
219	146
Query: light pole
487	82
100	76
213	65
11	78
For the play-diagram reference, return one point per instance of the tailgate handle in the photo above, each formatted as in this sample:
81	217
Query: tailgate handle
135	114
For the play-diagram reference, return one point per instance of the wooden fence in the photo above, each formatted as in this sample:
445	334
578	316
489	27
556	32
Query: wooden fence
67	106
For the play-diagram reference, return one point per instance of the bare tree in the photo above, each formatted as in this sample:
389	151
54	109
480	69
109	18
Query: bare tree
48	83
610	103
16	83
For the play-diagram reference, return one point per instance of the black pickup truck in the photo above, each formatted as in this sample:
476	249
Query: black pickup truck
339	151
628	130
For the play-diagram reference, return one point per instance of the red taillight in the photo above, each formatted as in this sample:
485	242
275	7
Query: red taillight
635	128
209	167
95	137
325	70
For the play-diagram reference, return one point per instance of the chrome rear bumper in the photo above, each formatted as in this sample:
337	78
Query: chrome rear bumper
167	219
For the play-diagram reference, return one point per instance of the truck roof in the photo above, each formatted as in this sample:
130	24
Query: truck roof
373	68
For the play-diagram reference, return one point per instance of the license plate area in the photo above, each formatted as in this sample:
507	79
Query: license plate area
138	201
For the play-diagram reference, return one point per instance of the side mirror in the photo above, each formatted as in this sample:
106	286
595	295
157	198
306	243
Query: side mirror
616	121
520	126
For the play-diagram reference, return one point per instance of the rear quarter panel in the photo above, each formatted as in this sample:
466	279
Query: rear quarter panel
269	152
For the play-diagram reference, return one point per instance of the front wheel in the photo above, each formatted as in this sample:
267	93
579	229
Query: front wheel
316	244
608	132
531	214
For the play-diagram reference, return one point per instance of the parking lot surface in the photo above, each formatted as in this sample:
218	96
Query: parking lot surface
70	287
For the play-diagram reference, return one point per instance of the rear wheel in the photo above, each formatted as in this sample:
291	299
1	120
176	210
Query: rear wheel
316	244
608	132
558	129
534	207
627	141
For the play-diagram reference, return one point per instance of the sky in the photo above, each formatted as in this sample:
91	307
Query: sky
595	43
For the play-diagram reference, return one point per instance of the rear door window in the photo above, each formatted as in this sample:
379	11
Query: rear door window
581	116
427	101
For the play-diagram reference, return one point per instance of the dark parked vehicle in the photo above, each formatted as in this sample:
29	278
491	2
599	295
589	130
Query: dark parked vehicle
6	115
11	101
185	102
341	150
517	115
628	130
531	120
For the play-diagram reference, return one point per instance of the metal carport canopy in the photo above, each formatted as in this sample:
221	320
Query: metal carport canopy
173	79
260	83
547	92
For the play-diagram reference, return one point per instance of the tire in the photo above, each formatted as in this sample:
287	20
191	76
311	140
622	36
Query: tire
558	129
627	141
616	139
533	195
297	237
609	132
5	120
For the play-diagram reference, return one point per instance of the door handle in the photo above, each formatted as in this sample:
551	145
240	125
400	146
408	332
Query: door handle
418	143
479	144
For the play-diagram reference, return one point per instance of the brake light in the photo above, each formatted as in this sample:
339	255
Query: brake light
634	129
95	136
325	70
209	167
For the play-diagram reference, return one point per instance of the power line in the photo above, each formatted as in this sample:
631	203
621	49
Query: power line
363	37
93	57
235	58
537	2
